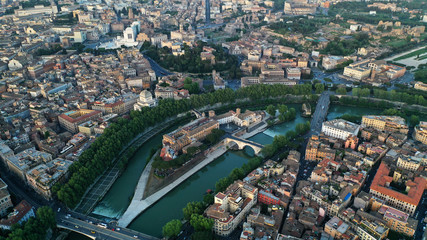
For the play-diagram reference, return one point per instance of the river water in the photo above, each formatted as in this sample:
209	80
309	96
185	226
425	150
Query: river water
170	207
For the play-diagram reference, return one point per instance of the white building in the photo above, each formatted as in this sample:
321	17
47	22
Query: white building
339	128
128	39
145	100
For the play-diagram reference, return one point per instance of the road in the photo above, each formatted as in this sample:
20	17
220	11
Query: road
88	226
160	71
320	113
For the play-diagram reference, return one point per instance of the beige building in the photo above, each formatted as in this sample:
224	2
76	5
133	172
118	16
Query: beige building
20	163
371	230
420	86
72	119
358	70
230	207
408	163
194	131
336	227
385	123
42	177
398	220
421	132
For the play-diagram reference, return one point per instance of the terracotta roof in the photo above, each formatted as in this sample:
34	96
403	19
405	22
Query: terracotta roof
21	210
80	118
414	195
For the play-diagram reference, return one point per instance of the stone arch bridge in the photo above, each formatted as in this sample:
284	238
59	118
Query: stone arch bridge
242	143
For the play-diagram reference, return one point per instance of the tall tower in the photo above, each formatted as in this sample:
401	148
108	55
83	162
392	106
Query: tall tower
208	11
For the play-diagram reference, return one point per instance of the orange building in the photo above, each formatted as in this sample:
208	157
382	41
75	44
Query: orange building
380	188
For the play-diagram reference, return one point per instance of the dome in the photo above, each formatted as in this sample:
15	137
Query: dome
145	95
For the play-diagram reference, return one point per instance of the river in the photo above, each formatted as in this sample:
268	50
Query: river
170	207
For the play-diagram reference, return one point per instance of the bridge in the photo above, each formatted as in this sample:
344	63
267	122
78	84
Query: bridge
242	143
197	113
88	226
320	113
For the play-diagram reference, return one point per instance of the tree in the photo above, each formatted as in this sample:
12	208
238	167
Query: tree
271	110
192	208
46	216
282	108
208	199
172	228
201	223
46	134
414	120
319	88
192	87
341	91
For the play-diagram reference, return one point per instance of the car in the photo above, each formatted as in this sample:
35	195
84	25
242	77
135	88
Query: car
134	236
117	229
112	229
59	209
76	226
93	232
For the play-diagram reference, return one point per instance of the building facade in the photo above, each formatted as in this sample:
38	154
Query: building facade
72	119
339	128
385	123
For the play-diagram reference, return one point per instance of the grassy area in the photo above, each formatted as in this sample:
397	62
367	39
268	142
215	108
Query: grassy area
398	43
412	54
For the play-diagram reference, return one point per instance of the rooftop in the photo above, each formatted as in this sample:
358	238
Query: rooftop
394	119
342	125
382	178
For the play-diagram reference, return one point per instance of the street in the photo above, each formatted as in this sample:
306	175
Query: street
92	227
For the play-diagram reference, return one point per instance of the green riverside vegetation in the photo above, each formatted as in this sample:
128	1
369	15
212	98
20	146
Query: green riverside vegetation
34	228
106	148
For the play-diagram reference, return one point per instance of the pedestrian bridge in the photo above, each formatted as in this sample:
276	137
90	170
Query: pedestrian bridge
242	143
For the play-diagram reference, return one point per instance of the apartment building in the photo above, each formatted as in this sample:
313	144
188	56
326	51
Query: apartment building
293	73
107	108
231	206
398	221
421	132
336	228
42	177
385	123
21	213
358	70
72	119
5	201
371	230
20	163
404	202
339	128
408	162
268	198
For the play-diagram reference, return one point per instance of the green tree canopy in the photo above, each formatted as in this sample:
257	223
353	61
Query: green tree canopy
172	228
